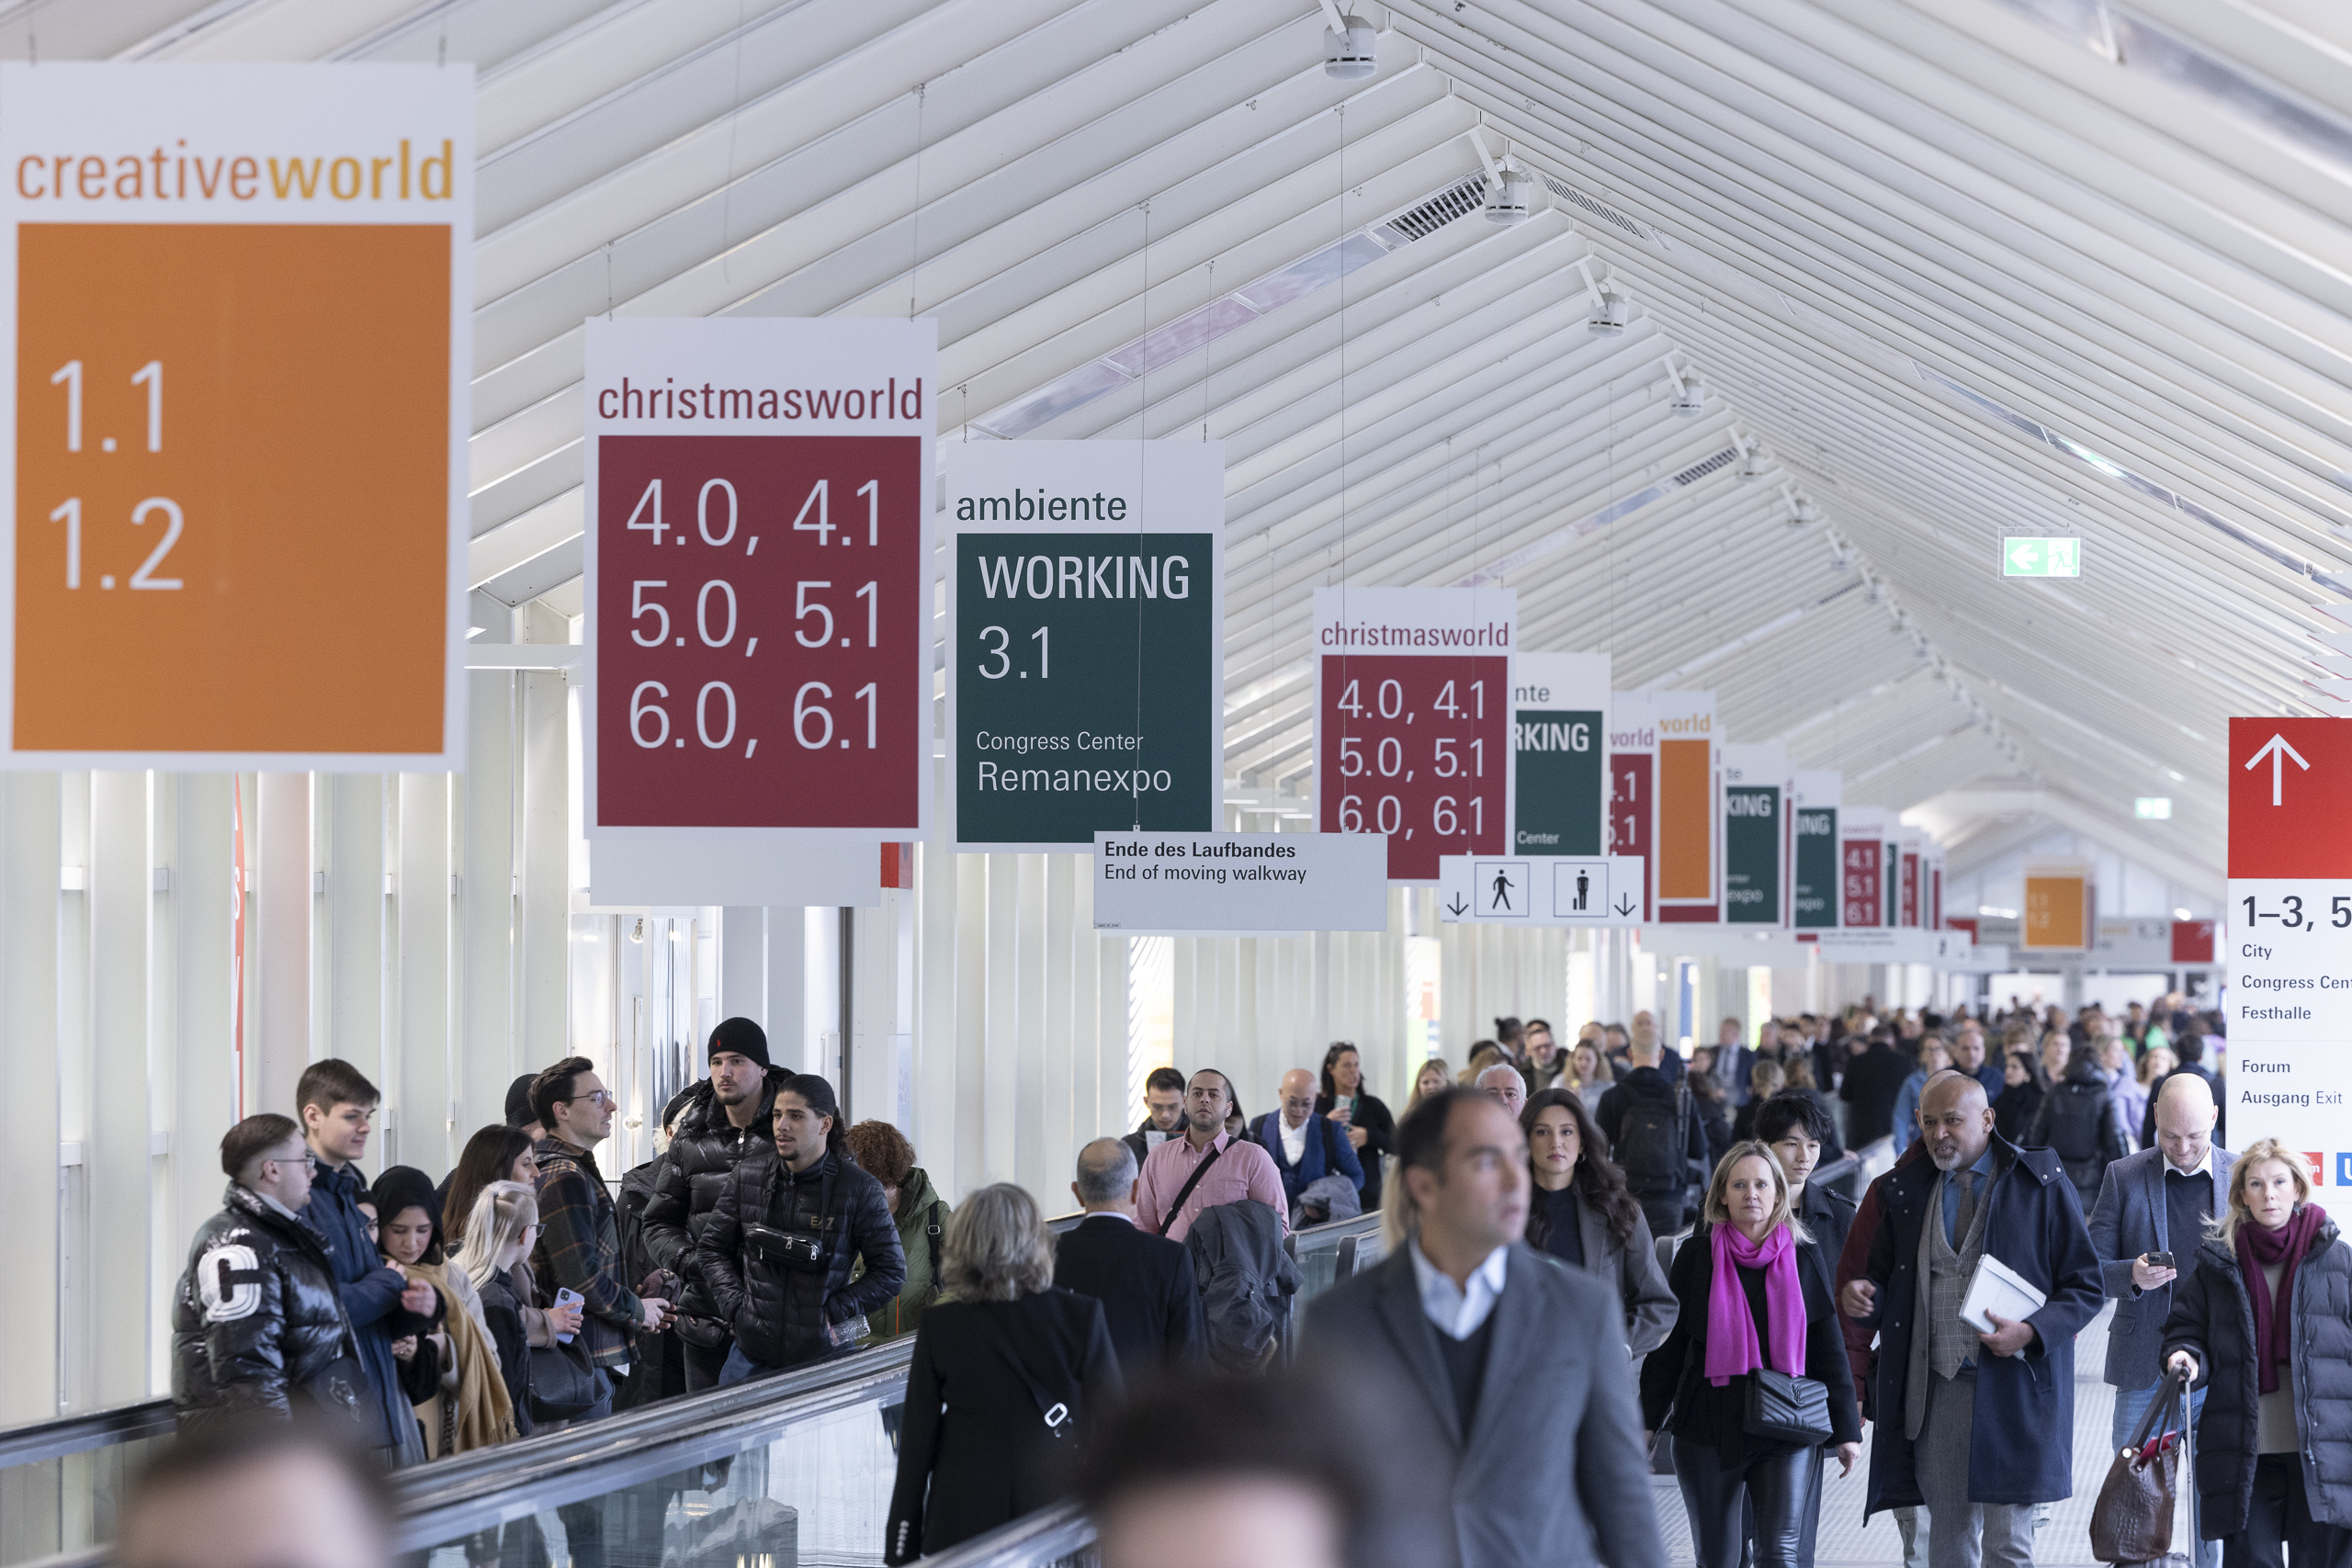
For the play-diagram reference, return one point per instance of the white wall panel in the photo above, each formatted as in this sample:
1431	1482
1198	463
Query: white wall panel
115	1308
28	1111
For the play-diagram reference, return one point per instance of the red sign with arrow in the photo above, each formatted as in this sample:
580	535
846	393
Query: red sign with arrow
2290	784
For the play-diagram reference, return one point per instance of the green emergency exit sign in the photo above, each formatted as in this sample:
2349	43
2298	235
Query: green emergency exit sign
2042	557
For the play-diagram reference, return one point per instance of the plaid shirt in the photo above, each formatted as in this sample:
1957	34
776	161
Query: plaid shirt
579	1248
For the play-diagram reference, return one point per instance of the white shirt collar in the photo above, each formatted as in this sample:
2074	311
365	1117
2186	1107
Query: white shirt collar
1294	1138
1456	1311
1107	1214
2203	1167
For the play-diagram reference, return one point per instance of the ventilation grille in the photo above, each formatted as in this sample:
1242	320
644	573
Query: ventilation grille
1610	215
1705	465
1456	200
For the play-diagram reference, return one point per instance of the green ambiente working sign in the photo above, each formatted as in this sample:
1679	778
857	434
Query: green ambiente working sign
1086	619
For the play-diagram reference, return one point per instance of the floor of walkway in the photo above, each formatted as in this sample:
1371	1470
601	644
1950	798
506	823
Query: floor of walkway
2064	1542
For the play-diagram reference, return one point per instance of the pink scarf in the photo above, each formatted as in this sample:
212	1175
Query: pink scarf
1731	1327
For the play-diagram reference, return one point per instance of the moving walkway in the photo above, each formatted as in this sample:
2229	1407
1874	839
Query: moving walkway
791	1471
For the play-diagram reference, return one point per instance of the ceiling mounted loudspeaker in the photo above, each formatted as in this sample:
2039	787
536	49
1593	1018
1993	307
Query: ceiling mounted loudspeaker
1751	465
1608	317
1348	54
1689	402
1509	197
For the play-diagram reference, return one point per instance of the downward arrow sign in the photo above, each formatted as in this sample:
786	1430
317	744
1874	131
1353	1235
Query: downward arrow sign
1456	907
2277	750
1625	906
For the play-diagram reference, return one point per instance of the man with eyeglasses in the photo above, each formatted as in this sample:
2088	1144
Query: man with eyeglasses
337	1105
258	1328
580	1245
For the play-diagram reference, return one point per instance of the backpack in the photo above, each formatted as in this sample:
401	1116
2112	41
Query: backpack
1652	1141
2074	1121
1247	1278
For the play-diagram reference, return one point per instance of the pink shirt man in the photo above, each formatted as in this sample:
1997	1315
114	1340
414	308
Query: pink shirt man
1242	1170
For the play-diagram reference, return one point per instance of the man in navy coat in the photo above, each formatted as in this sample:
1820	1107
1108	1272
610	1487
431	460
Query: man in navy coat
1306	1145
1977	1427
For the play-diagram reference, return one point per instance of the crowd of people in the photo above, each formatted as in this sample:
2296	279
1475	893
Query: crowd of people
1524	1202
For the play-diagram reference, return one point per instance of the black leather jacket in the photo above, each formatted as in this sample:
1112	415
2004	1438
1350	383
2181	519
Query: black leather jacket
780	1313
704	1148
256	1322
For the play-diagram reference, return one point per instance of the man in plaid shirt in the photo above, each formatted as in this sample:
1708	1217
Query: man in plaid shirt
580	1245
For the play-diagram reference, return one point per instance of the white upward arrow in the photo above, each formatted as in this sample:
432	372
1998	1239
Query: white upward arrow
2277	750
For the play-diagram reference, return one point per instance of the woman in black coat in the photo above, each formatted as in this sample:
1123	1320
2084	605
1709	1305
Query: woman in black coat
1009	1378
2265	1323
2020	1097
2080	1123
1579	1211
1369	1127
1778	1310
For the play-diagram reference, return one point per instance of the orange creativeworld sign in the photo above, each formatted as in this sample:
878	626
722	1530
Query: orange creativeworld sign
238	414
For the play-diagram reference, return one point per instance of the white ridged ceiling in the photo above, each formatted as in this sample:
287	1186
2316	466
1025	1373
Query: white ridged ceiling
1958	268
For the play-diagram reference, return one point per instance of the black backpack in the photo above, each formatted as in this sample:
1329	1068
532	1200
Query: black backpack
1653	1139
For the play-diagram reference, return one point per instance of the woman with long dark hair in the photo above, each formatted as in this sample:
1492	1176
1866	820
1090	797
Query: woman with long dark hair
496	1152
1581	1214
1369	1127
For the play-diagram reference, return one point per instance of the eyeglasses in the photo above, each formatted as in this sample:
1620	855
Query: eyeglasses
601	1097
310	1161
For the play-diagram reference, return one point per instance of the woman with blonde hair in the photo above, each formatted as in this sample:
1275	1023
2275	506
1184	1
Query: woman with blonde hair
1008	1379
1427	1080
2265	1322
501	1231
1754	1294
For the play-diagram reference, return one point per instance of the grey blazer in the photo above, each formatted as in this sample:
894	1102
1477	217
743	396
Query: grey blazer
1633	1273
1563	1399
2128	1220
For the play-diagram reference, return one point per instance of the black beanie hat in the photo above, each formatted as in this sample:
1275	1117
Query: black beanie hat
741	1036
518	1102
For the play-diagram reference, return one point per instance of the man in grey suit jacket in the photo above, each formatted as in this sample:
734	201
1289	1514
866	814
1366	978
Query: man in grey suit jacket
1479	1333
2156	1202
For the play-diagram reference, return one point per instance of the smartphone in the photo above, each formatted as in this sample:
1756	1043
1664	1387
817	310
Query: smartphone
2160	1261
567	1297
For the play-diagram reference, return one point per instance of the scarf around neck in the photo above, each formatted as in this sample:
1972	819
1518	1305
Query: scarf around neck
1732	1350
2274	1321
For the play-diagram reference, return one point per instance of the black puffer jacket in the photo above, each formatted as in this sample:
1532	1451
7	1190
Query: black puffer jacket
2213	1319
704	1151
2080	1123
256	1321
780	1314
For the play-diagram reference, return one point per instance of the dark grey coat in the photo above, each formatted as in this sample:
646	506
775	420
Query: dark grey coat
2213	1319
2129	1221
1564	1397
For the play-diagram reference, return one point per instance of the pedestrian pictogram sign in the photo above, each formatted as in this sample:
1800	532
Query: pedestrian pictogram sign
2291	781
1562	890
2042	557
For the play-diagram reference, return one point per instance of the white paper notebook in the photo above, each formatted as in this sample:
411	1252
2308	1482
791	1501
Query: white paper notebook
1998	1288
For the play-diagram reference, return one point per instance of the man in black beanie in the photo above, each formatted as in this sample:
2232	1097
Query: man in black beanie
518	1107
726	1115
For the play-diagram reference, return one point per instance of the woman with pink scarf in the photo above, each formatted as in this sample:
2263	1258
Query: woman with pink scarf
1755	1296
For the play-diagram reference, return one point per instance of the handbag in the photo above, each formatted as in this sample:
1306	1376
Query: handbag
1054	1412
563	1381
1787	1409
2132	1519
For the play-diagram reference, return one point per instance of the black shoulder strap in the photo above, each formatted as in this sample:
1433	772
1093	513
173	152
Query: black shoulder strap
1185	1191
